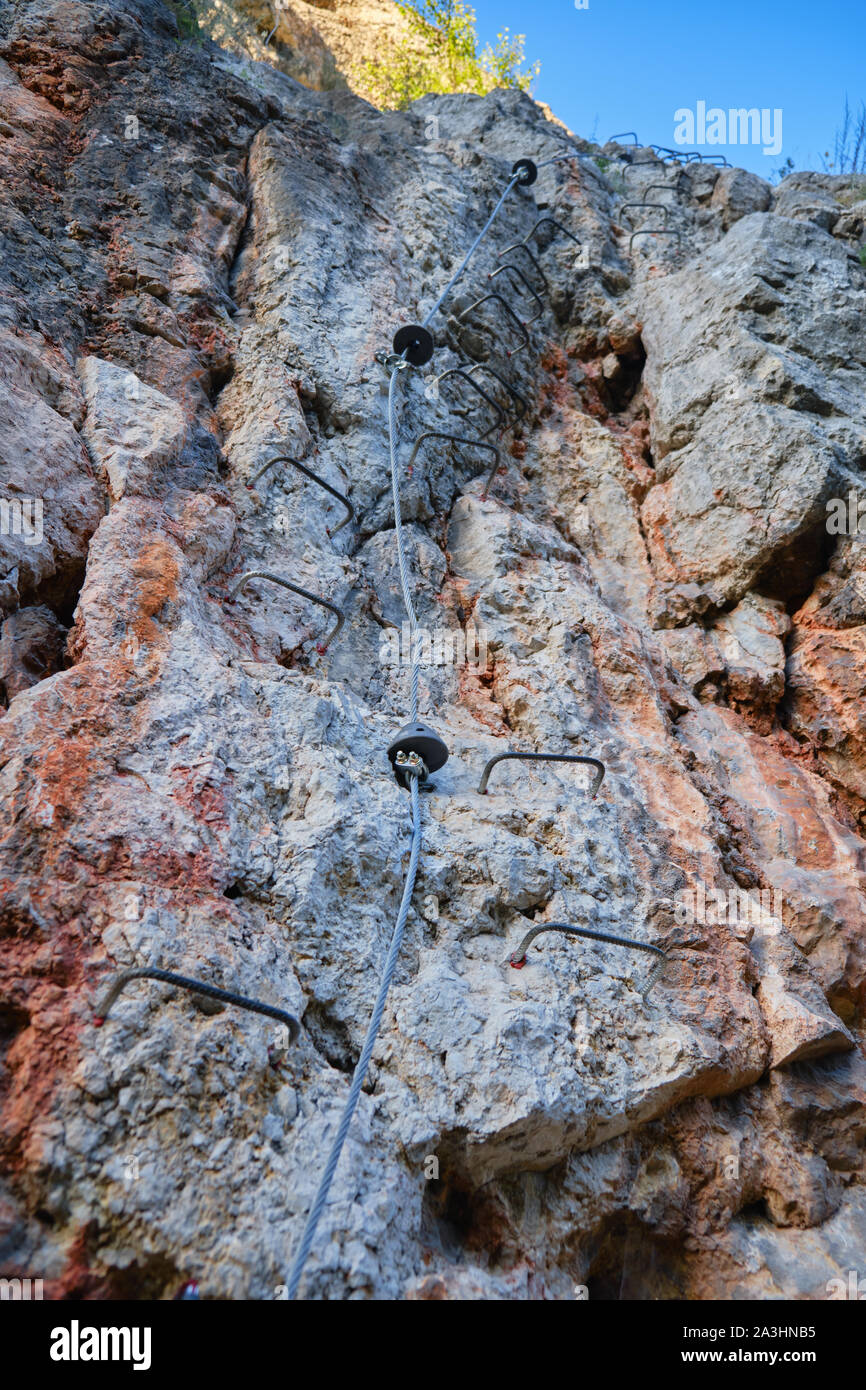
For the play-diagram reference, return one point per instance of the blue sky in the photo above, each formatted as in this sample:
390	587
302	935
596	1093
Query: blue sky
626	65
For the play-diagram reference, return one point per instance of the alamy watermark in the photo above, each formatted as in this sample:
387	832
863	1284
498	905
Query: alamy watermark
846	516
740	126
20	1290
734	906
438	646
77	1343
22	516
854	1289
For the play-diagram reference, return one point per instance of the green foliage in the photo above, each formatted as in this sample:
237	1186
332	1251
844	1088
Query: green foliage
440	54
186	14
504	63
862	254
854	193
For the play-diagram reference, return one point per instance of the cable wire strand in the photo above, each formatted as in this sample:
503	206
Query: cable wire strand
515	178
360	1071
413	773
559	159
401	554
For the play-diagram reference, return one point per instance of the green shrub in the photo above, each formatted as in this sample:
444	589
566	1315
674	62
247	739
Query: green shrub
782	173
186	14
440	54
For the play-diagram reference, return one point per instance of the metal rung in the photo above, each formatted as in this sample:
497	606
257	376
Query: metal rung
665	187
146	972
640	164
439	434
654	231
660	207
619	136
506	386
513	270
679	156
308	472
521	326
517	959
321	647
466	376
553	222
521	246
541	758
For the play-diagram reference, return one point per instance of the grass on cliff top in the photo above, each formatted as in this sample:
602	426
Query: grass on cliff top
440	54
186	14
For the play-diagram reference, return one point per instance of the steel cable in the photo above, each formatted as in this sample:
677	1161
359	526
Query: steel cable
412	340
367	1050
559	159
401	554
413	773
515	178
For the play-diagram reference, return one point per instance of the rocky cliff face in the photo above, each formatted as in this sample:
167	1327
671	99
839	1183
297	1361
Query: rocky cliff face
325	44
201	259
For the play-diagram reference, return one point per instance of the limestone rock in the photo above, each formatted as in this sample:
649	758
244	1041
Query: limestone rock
200	294
809	197
799	1020
750	433
31	648
137	437
737	192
